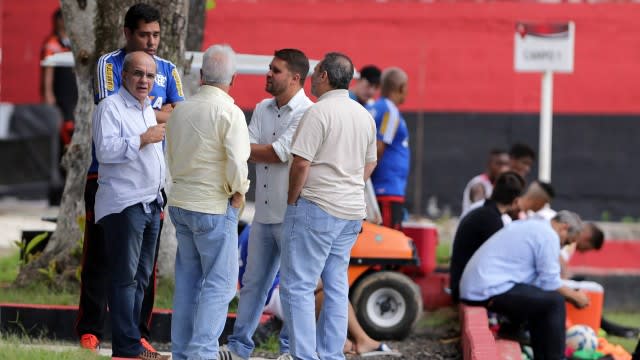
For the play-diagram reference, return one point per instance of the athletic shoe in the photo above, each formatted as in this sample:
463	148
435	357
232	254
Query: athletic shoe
285	356
147	346
90	342
226	354
152	355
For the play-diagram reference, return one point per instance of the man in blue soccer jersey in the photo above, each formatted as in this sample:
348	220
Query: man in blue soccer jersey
390	176
142	33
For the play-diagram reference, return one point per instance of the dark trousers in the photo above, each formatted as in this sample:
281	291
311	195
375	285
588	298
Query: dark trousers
543	312
92	309
131	238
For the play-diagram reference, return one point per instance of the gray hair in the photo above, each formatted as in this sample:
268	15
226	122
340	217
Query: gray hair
572	219
339	70
218	65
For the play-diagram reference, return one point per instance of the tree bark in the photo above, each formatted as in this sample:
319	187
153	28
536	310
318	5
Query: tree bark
195	29
95	27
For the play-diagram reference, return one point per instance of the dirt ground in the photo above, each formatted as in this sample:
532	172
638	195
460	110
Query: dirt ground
436	337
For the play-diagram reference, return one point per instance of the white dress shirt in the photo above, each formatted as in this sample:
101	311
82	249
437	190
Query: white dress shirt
275	126
128	174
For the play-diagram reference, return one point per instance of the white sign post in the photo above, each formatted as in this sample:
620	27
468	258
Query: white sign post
545	48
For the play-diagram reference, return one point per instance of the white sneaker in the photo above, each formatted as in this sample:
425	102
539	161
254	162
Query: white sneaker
285	356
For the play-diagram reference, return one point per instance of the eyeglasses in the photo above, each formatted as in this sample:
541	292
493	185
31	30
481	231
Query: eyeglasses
140	74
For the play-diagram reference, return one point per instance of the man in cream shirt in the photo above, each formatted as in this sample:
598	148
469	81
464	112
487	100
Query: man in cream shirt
207	149
334	152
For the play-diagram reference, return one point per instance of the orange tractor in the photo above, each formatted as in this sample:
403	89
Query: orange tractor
388	303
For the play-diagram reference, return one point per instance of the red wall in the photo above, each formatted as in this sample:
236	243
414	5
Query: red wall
459	56
23	29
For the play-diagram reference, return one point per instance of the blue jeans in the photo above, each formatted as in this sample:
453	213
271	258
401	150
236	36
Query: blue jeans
263	262
131	237
315	245
205	280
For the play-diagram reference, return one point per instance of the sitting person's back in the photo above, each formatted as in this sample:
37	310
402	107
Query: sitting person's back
522	253
477	226
516	273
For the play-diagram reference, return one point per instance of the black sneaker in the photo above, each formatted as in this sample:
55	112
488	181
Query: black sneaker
225	354
152	355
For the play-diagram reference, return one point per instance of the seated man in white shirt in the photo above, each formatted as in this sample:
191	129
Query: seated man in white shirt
480	186
516	273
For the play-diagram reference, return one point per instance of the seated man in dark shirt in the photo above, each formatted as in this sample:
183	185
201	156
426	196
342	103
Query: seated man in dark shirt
479	224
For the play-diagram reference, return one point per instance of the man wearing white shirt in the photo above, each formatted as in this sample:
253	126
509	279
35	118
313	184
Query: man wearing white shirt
128	201
272	126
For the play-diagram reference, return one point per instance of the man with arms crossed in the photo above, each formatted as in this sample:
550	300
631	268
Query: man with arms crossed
334	152
128	201
272	126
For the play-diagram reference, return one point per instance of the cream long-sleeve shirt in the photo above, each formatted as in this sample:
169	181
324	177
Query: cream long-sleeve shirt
207	150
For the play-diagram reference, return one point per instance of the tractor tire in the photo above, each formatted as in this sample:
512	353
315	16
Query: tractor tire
387	304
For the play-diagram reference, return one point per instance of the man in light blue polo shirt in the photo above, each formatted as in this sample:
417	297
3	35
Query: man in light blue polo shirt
517	273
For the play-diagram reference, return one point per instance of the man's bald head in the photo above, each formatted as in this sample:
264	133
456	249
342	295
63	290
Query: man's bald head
393	84
138	74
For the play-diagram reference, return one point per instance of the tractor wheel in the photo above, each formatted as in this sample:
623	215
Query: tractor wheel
387	304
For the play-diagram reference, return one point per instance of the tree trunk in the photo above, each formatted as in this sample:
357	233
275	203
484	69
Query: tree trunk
195	29
95	27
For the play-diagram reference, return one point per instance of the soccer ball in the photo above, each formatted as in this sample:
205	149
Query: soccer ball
581	337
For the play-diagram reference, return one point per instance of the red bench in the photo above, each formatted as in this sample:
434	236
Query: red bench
478	342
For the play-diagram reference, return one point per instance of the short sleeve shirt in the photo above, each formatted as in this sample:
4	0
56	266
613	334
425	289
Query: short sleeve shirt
390	176
337	135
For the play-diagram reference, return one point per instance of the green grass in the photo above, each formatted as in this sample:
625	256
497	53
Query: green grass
39	294
443	253
9	266
624	318
270	345
436	318
20	348
164	293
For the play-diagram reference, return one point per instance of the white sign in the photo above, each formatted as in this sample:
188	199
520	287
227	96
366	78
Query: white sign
541	47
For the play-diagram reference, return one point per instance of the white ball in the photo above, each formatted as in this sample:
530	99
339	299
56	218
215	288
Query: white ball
581	337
